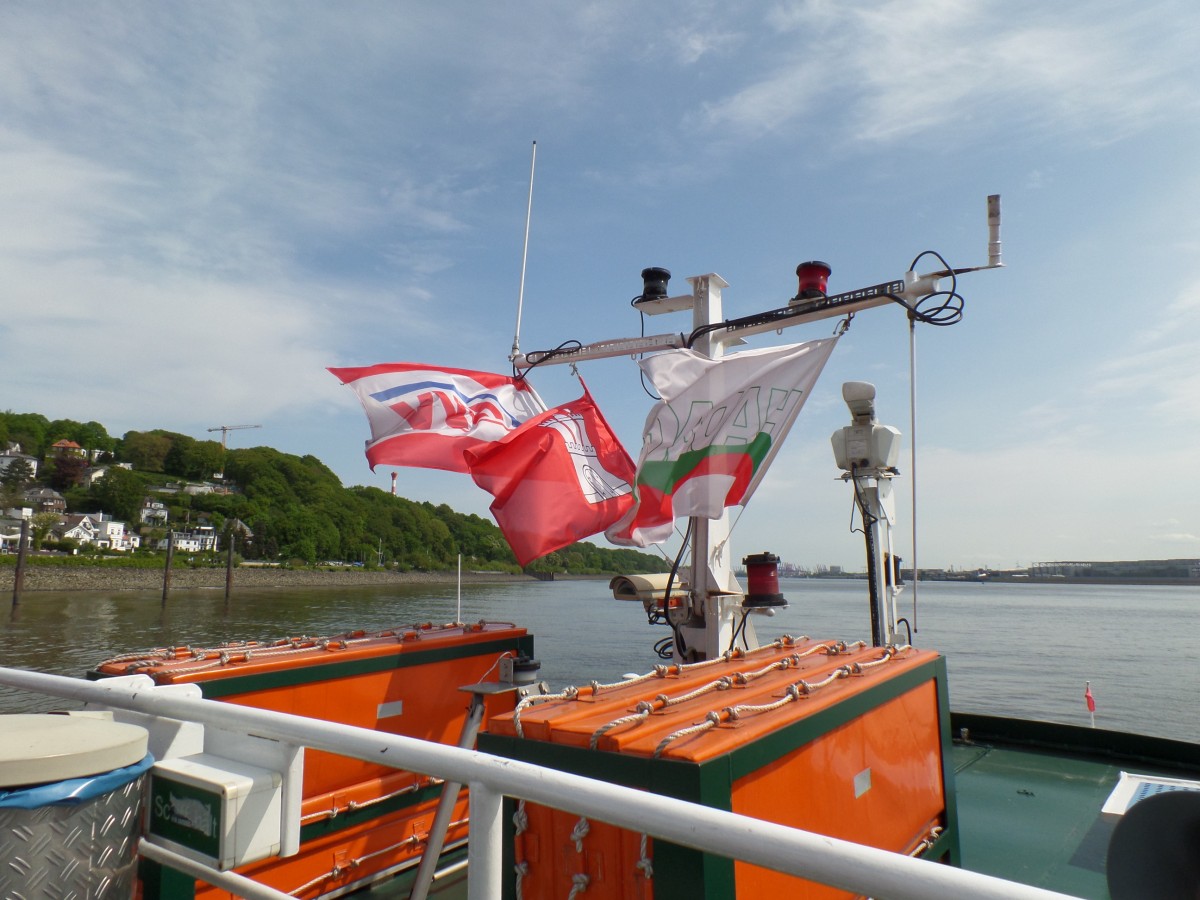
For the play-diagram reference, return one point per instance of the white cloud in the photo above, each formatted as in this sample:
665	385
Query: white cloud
896	69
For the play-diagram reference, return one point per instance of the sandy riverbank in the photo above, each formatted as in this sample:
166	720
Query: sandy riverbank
81	578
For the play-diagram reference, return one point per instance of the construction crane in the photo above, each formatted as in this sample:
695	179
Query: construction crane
225	429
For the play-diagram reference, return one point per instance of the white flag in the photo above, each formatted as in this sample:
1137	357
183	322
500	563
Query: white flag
709	441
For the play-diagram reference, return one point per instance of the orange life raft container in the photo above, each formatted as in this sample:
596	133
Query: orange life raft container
847	741
360	821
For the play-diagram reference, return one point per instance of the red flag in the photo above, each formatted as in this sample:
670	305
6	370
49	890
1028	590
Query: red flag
560	477
427	416
1087	695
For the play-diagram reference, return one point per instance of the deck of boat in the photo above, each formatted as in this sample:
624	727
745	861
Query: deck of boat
1029	797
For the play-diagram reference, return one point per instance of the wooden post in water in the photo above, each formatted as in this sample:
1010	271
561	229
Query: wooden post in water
167	568
19	573
229	567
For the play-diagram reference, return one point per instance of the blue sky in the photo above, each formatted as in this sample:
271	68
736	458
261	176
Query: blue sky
204	205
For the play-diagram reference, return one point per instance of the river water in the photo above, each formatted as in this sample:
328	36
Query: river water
1012	649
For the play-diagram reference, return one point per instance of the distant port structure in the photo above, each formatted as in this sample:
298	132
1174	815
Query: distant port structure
1136	571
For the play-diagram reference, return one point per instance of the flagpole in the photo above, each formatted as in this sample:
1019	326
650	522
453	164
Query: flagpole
1090	700
516	347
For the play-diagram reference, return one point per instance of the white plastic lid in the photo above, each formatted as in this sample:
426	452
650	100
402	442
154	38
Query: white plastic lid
42	749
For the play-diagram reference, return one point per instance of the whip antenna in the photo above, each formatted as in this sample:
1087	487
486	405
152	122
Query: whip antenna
516	347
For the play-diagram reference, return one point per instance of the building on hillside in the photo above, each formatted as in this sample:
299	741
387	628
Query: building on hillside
67	448
199	539
8	457
154	512
75	527
44	499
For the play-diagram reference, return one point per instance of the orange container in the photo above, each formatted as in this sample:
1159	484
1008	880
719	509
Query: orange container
358	819
850	742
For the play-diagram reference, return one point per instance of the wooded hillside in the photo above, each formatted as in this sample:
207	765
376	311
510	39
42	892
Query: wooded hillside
295	507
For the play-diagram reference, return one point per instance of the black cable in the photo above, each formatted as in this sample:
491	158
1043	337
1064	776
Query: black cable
546	355
642	321
949	311
664	648
740	630
679	641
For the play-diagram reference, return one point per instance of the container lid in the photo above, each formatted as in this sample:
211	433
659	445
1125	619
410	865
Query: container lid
39	749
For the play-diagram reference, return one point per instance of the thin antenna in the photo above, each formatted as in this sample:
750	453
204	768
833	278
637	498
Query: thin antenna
516	347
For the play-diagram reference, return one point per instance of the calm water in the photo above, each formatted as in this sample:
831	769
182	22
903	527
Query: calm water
1013	649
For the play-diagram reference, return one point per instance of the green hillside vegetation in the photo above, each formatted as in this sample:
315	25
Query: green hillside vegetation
295	507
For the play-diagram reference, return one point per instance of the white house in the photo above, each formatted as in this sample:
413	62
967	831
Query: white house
153	512
112	535
79	528
198	540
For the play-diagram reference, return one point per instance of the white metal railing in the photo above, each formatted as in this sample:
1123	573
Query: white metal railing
853	867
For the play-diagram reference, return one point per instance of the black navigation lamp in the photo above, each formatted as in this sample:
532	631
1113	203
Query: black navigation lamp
654	284
813	277
762	577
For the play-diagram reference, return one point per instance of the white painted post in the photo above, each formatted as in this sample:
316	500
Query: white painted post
485	851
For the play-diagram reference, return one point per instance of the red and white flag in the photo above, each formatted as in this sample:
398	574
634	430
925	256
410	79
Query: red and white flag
1088	698
428	416
559	478
709	441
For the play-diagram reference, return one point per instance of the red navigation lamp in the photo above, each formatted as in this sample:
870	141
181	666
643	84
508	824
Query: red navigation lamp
654	284
813	277
762	576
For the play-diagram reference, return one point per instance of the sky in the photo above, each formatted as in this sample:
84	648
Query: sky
203	206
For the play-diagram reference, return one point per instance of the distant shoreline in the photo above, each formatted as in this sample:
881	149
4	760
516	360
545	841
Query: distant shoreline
102	578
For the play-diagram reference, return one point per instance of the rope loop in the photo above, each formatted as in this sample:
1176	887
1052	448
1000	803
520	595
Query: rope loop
579	832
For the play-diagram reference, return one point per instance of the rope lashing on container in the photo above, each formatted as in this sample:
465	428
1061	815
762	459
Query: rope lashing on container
579	884
569	693
521	868
645	864
646	708
334	811
245	651
579	832
928	841
793	692
340	869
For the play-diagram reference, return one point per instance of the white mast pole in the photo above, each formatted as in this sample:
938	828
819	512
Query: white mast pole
716	595
516	347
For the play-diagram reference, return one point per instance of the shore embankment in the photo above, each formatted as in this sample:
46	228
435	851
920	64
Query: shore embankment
102	578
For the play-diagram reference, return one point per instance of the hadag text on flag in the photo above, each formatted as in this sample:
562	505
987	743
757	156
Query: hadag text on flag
560	477
428	416
709	441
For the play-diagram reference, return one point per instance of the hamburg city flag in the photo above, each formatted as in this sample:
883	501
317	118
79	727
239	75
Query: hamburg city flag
708	442
428	416
557	479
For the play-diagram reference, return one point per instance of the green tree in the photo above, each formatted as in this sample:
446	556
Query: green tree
18	475
120	493
146	450
40	526
28	430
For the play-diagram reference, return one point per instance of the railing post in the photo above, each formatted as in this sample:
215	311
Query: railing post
485	869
